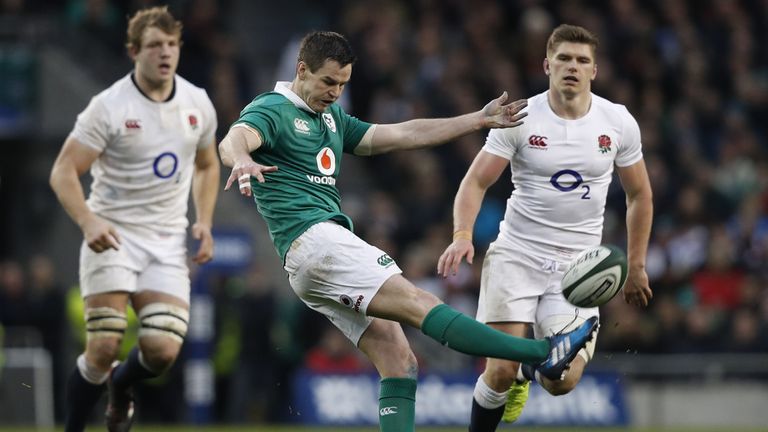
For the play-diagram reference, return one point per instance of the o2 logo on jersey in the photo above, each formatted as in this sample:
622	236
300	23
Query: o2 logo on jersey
560	180
165	165
326	161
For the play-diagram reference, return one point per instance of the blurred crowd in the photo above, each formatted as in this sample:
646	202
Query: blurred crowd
693	73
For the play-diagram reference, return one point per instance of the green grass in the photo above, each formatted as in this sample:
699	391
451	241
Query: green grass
255	428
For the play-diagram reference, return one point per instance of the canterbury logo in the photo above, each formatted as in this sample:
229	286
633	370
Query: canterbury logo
301	125
537	141
388	411
132	124
385	260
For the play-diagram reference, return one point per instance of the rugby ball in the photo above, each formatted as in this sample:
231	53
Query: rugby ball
595	276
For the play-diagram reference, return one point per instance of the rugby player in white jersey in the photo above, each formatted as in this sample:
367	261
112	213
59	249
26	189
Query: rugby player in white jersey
285	151
562	160
147	140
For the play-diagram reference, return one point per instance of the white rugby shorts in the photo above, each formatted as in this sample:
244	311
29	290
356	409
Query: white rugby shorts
336	273
519	287
146	261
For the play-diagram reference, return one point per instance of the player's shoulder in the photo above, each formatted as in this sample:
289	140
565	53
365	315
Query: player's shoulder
115	93
271	101
538	101
186	89
610	108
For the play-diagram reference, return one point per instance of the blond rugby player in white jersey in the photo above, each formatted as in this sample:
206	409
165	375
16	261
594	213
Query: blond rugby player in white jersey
562	160
147	140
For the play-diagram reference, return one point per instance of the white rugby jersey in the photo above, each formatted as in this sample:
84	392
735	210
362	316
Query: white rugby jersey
561	170
144	173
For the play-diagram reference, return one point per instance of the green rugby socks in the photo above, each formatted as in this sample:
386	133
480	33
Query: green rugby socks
397	405
464	334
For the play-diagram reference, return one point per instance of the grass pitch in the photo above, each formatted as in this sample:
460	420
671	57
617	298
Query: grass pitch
259	428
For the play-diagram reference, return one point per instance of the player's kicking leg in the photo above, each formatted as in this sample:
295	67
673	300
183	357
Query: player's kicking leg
399	300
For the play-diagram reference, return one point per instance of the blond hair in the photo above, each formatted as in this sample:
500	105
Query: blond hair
157	16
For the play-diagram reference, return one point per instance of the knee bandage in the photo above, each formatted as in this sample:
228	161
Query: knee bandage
105	322
162	319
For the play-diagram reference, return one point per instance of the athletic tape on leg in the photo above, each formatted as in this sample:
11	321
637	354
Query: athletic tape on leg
163	319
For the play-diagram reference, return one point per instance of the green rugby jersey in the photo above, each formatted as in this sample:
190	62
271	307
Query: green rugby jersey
306	147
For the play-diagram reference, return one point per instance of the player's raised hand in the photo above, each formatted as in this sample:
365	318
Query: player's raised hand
637	290
451	258
242	171
498	115
202	232
99	234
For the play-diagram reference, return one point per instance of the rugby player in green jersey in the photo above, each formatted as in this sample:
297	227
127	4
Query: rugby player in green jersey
285	151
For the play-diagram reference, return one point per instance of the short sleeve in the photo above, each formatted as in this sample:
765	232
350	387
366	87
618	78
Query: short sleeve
353	130
630	148
92	125
263	118
501	142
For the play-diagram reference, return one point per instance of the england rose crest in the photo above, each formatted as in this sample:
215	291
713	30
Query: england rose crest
604	143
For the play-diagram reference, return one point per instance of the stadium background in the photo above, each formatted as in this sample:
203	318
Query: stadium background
693	73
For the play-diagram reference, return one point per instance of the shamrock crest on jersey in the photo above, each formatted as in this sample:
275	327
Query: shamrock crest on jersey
328	118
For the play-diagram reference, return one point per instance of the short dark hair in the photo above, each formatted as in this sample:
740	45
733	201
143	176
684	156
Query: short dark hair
158	16
319	46
571	33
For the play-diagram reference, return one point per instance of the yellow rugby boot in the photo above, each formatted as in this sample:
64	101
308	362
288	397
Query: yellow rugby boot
516	399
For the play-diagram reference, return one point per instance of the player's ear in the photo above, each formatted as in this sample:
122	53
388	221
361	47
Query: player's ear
594	71
301	70
545	65
132	51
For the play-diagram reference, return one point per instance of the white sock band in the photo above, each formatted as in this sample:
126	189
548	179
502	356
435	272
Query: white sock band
486	397
90	373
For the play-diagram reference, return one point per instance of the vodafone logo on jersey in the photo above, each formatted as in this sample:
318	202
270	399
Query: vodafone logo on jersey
326	161
326	164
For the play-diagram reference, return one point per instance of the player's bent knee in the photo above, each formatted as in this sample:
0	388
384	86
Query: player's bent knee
500	374
105	327
560	388
572	378
161	322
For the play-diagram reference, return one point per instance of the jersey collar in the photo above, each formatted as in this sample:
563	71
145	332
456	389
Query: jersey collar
284	88
136	85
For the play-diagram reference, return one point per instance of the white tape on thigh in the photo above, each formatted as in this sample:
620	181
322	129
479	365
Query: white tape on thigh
105	322
162	319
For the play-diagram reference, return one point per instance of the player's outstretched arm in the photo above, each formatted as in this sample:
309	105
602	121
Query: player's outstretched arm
414	134
235	151
73	161
484	171
634	180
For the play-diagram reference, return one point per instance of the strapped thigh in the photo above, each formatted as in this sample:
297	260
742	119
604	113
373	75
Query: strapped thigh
104	322
164	319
